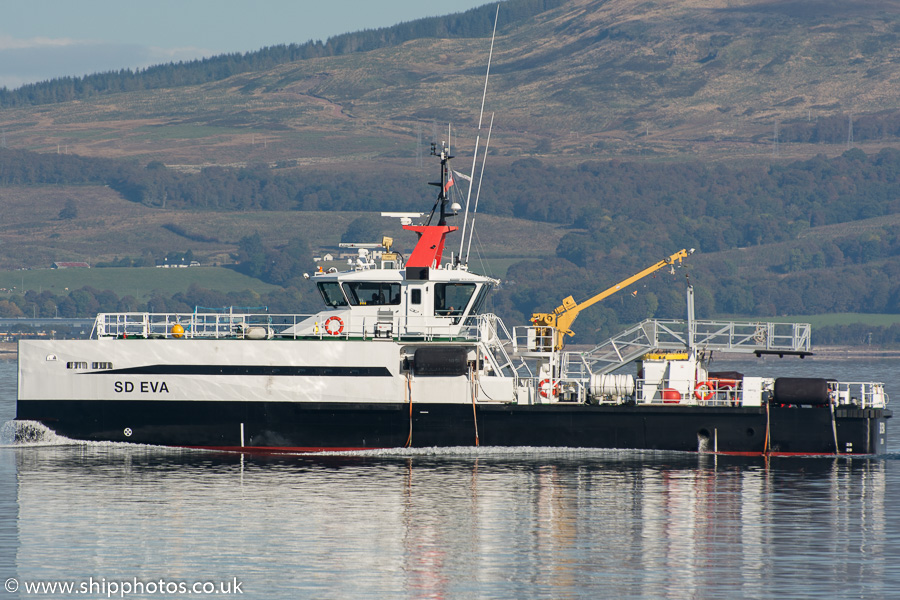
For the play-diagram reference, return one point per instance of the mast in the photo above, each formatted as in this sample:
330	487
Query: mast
430	246
443	185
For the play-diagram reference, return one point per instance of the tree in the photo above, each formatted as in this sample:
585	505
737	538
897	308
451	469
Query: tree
69	211
8	310
364	229
252	255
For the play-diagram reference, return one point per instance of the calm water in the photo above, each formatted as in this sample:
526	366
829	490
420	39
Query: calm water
514	523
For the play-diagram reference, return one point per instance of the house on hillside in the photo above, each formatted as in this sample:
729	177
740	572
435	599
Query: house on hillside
70	265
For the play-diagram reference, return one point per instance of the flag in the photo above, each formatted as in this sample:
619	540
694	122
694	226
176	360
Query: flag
449	182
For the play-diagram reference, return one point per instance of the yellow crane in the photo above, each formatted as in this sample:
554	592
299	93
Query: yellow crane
564	315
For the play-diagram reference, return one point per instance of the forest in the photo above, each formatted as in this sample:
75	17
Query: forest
712	207
86	302
622	216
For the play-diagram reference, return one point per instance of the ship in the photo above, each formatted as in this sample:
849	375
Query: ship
402	354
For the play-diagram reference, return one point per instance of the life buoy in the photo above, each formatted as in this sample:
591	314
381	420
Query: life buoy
332	331
704	390
546	389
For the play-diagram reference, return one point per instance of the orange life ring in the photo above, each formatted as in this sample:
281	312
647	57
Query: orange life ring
704	390
547	390
340	326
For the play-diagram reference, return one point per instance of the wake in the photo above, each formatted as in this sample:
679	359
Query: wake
32	433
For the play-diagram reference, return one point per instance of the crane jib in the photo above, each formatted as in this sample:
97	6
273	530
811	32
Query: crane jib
565	314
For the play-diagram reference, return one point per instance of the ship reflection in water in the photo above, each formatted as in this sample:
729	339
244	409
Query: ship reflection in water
464	524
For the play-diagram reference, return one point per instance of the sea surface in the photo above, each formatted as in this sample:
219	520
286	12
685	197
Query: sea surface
115	520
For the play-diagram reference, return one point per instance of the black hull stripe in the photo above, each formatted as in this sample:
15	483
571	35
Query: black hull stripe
357	425
288	371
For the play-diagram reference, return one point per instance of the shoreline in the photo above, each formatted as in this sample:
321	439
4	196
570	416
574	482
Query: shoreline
855	352
829	353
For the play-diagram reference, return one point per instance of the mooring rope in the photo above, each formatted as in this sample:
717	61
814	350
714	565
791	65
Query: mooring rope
837	449
408	394
474	414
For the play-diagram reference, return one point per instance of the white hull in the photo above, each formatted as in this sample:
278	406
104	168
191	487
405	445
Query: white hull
339	372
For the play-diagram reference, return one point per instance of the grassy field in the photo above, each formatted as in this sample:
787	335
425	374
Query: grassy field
875	320
138	282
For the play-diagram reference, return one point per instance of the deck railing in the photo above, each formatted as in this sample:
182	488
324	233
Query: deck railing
242	325
192	325
849	394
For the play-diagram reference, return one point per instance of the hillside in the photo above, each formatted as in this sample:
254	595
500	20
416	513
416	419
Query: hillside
109	227
589	78
762	133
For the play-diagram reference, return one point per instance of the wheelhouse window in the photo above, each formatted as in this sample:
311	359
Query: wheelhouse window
331	293
451	299
372	293
480	298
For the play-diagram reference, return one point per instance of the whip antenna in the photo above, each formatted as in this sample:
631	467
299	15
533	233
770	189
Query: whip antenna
487	145
478	136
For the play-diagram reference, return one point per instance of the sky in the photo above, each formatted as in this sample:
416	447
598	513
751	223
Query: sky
43	39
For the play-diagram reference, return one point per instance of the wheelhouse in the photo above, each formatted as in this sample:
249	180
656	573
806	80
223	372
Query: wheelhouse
451	295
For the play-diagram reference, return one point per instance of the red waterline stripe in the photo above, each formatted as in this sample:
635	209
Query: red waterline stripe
823	454
282	449
319	449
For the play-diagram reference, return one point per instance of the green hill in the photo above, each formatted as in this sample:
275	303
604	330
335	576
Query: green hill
108	227
762	133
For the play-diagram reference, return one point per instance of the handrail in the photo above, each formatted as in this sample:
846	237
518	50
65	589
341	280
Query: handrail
674	334
252	325
190	325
